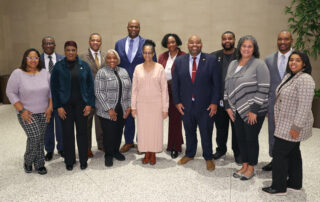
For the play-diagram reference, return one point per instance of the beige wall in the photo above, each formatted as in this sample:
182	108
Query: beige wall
24	23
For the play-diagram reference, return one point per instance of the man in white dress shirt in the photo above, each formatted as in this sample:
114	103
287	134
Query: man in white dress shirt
49	58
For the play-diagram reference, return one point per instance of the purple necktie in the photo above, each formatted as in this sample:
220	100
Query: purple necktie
130	50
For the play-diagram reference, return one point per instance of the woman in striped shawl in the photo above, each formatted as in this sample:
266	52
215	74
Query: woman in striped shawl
246	100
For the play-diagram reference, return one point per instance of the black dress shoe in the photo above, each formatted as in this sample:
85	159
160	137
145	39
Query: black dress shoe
83	166
267	167
69	167
218	155
27	169
42	170
174	154
119	156
272	191
108	161
238	160
61	153
48	156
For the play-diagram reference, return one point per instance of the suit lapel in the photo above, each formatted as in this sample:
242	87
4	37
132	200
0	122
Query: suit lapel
275	64
138	50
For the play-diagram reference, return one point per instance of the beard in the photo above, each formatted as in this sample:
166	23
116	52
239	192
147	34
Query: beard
228	47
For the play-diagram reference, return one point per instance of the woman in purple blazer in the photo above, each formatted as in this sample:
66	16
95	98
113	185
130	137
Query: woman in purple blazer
175	140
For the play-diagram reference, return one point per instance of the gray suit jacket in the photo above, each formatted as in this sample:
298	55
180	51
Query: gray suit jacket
89	58
292	109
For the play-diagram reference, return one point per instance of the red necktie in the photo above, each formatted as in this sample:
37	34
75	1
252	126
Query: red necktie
194	69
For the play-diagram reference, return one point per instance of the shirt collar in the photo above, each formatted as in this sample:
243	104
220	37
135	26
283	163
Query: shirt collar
93	52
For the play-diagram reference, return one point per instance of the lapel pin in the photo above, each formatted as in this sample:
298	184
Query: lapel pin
203	59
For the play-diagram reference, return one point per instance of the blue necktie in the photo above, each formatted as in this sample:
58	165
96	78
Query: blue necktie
282	67
130	50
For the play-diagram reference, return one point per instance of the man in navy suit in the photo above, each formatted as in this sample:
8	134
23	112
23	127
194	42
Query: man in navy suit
195	88
130	52
49	58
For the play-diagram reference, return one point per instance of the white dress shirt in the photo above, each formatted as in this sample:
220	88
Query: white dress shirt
93	53
168	67
134	48
46	60
286	56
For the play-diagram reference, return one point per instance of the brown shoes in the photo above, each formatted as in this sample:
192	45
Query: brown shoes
184	160
146	158
149	157
153	158
210	165
90	154
126	148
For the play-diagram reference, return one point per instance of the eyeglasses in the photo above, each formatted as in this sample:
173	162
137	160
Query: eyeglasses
147	53
32	58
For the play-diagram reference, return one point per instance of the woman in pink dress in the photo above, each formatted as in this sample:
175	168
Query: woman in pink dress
149	103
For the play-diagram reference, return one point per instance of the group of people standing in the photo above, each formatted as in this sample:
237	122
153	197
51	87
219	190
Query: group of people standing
199	89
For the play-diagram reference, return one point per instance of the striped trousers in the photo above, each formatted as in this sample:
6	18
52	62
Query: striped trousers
35	132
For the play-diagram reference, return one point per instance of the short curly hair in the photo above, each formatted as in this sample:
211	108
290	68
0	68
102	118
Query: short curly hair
165	39
256	52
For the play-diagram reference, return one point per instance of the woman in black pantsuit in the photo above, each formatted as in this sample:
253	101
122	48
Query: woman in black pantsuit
73	95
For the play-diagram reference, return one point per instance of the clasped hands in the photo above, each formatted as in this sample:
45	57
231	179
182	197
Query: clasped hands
113	114
212	109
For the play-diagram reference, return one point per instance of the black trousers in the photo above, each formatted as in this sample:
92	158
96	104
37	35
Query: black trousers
222	126
247	136
112	132
75	115
286	165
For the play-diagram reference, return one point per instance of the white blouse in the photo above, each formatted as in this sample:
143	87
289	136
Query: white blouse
168	67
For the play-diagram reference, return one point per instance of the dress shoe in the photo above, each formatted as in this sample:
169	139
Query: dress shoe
126	148
184	160
244	178
108	161
48	156
119	156
272	191
238	160
293	189
61	152
42	170
218	155
237	175
267	167
27	169
102	149
69	167
210	165
90	154
174	154
146	158
153	158
83	166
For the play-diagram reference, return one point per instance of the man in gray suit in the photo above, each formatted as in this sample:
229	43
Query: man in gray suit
277	63
96	59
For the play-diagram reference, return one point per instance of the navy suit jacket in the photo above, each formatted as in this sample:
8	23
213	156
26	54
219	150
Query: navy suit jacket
58	57
206	87
120	47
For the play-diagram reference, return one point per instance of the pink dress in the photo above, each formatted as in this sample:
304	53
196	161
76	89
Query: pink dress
150	98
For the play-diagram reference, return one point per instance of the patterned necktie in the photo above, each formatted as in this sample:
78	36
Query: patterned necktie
96	60
282	67
130	50
50	63
194	69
